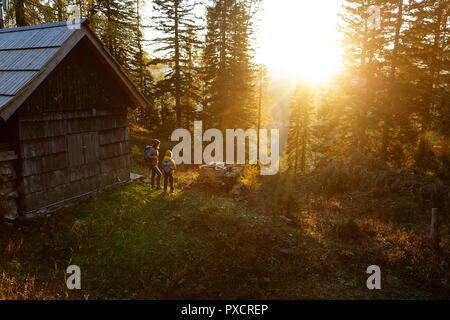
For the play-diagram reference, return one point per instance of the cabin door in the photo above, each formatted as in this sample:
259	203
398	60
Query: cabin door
83	160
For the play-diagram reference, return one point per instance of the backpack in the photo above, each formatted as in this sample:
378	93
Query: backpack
147	154
167	166
150	154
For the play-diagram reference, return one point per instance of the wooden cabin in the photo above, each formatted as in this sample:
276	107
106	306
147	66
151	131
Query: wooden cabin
63	117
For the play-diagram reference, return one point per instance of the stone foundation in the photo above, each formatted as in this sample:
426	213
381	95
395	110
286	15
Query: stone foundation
8	191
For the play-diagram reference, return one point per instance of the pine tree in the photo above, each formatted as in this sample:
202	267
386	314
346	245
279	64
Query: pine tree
330	132
25	12
141	74
115	23
393	18
362	44
229	73
262	82
426	41
299	136
191	98
176	23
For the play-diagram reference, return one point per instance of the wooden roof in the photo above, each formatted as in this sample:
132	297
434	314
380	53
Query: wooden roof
29	54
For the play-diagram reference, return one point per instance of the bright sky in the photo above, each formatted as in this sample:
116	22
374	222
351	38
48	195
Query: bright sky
298	38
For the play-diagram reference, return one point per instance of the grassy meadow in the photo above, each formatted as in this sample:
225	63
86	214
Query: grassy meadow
137	243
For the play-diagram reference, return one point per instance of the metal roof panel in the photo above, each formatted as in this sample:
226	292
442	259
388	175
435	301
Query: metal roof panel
29	54
35	38
24	53
25	59
12	81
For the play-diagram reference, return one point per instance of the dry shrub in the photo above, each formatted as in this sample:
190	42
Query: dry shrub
375	176
208	179
349	230
26	289
435	192
419	258
404	211
332	178
379	192
14	283
249	178
280	196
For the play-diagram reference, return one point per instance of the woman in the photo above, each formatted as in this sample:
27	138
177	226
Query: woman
152	156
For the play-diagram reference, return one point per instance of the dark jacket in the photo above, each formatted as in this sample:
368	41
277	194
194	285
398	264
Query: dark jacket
152	156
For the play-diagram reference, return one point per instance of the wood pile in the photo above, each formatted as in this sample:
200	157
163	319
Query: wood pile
219	175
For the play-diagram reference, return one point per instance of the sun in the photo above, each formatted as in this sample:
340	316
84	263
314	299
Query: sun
298	38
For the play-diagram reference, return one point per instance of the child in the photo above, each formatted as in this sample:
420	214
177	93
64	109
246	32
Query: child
169	168
152	156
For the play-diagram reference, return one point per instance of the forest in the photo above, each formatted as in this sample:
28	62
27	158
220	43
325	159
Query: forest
364	158
388	102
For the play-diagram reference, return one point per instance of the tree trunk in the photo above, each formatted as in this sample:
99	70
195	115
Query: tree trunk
20	14
435	67
259	108
222	65
297	142
388	115
59	10
177	69
141	52
360	131
304	148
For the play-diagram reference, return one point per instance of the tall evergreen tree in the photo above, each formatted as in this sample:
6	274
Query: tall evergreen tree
176	22
362	42
229	72
394	17
141	73
427	40
116	25
299	136
191	99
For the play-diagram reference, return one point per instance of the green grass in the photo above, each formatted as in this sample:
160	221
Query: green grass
137	243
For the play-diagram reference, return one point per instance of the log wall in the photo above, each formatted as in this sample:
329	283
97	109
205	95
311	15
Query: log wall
8	172
8	191
73	134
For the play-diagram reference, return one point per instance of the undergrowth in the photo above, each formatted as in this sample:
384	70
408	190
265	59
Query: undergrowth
281	237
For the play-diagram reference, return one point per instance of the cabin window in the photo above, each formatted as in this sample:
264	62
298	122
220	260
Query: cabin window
82	149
